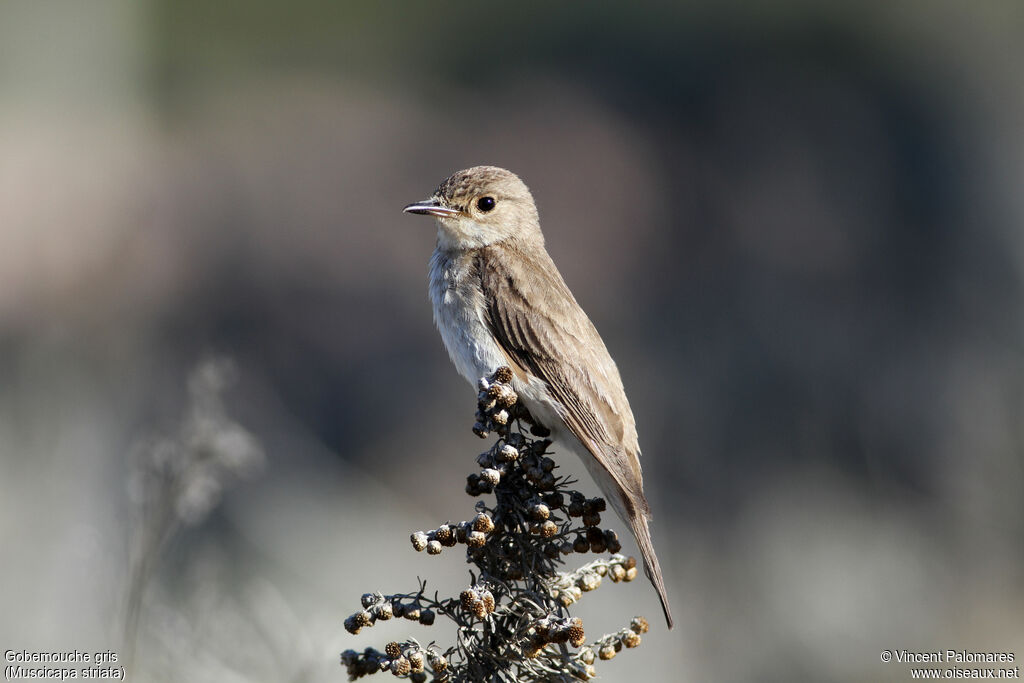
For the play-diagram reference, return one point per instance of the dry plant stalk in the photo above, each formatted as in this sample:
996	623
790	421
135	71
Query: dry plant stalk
513	620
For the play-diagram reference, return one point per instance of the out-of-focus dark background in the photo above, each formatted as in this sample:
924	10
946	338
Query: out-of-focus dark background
796	224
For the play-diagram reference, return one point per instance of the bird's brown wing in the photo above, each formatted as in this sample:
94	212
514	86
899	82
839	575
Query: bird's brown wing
545	333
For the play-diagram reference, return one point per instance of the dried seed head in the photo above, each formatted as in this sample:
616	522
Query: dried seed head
575	509
415	661
368	598
476	539
503	374
547	464
539	512
587	655
383	611
631	573
581	544
490	476
639	625
630	639
551	551
508	453
606	652
419	542
351	625
500	417
411	612
554	500
363	618
566	598
629	562
418	677
468	598
393	650
588	582
483	523
576	634
427	617
445	535
565	548
433	548
547	482
400	666
617	573
598	546
437	662
591	519
487	598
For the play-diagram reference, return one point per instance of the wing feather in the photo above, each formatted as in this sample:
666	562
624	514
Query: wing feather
545	333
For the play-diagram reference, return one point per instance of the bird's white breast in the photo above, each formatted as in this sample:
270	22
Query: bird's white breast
459	315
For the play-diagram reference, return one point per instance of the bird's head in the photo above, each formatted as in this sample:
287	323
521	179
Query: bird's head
481	206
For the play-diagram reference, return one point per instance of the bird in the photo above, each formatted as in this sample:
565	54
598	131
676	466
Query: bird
499	300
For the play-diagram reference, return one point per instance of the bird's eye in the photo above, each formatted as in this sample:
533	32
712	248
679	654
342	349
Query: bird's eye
485	203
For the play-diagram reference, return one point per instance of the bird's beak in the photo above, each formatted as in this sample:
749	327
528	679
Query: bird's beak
431	207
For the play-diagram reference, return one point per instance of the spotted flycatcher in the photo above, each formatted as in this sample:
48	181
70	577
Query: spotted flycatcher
499	301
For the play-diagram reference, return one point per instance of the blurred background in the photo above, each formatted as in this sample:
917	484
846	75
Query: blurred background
223	404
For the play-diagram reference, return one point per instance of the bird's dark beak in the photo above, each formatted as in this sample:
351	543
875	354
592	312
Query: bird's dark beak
431	207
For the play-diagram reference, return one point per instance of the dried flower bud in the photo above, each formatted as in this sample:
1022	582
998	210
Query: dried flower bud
554	499
588	582
581	544
476	539
434	548
479	610
483	523
539	512
418	677
419	542
393	650
565	548
491	476
606	652
576	634
629	562
617	573
363	618
411	612
427	617
437	662
548	529
400	666
630	639
415	661
547	482
639	625
587	655
500	417
575	509
369	598
611	540
383	665
566	598
591	519
598	546
551	551
631	573
383	611
507	453
445	535
468	598
547	464
485	459
351	625
487	598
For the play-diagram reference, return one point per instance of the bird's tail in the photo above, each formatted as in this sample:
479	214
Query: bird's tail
638	522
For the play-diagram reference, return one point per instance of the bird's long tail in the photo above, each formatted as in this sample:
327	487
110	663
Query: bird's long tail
638	522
